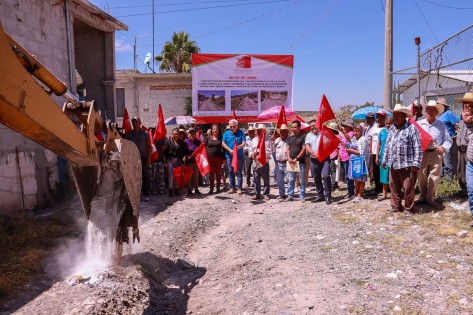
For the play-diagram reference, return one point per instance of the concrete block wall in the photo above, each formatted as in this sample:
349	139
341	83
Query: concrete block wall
143	93
40	27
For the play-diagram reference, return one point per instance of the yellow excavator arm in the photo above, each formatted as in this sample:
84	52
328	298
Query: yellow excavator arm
107	173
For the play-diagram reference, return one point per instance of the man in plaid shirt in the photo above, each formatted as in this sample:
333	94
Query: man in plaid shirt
403	154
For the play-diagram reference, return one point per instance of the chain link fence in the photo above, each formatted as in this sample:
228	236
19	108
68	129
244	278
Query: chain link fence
446	70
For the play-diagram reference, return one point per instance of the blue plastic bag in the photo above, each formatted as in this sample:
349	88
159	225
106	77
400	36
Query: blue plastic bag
358	166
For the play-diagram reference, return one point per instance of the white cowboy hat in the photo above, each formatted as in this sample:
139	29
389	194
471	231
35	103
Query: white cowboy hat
333	125
284	127
443	101
402	109
440	107
261	126
468	97
250	128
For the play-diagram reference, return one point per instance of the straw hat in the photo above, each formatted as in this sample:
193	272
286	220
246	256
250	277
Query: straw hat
440	107
261	126
417	104
334	126
442	101
348	123
402	109
468	97
284	127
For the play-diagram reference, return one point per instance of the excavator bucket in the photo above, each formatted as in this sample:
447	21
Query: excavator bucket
107	173
110	194
131	169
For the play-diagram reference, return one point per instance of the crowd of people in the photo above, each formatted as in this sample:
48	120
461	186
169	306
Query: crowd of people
387	152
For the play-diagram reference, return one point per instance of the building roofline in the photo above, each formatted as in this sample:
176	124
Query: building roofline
101	15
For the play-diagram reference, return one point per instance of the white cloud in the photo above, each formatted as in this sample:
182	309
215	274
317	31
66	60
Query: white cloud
121	46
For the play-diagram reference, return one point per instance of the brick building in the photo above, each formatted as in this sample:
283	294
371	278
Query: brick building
141	93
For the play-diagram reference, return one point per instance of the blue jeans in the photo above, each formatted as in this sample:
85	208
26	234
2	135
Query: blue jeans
275	171
322	180
469	184
231	173
261	173
447	164
292	182
280	175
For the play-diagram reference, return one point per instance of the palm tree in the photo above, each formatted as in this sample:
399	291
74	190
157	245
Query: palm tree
176	55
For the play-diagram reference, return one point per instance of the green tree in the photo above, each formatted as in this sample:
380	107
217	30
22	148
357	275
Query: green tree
188	106
176	54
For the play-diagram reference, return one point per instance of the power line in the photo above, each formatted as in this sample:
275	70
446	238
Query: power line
317	20
204	8
426	21
176	4
237	24
340	42
449	7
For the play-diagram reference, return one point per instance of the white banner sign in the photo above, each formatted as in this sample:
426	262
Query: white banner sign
246	84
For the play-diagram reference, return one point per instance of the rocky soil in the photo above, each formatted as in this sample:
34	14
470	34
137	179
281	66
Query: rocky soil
222	254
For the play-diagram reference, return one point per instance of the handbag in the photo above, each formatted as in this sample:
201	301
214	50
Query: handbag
358	166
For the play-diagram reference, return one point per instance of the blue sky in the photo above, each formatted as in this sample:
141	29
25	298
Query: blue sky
338	45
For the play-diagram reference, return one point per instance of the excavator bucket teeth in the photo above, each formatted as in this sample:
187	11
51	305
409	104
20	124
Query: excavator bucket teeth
131	169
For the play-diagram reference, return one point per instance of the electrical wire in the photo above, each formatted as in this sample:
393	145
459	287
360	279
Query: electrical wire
317	20
426	21
176	4
448	7
340	42
203	8
237	24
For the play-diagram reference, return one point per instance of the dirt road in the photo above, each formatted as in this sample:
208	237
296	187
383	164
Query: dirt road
222	254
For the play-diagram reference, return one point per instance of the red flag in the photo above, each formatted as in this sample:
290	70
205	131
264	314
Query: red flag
262	148
425	137
160	127
234	115
202	159
328	142
126	122
324	114
154	152
99	137
199	134
235	156
281	118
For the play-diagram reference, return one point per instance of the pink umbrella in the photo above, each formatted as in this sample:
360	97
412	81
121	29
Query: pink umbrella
271	114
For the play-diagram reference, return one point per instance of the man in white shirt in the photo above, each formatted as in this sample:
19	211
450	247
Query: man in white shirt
246	157
281	149
320	170
431	165
260	171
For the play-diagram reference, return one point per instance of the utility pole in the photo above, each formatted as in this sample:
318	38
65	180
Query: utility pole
152	57
417	41
134	55
388	54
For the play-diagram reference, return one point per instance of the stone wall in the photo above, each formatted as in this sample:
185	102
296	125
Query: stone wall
143	93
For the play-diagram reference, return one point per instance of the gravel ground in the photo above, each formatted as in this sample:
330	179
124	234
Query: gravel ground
222	254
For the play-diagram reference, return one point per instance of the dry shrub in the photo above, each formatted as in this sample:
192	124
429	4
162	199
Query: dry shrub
25	241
